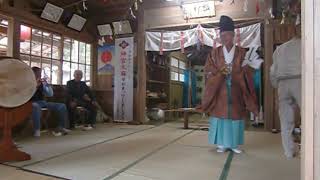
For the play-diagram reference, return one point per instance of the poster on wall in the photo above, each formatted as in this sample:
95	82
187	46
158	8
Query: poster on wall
123	87
106	59
199	9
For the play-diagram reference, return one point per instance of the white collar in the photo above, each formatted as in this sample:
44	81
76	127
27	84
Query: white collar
228	56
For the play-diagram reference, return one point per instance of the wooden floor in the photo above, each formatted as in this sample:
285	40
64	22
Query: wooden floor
165	152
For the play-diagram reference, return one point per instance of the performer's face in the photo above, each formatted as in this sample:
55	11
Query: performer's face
227	38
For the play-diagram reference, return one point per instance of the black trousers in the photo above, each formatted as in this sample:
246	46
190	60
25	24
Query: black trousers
91	113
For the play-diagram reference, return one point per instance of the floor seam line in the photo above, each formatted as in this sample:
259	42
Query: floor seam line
86	147
226	167
145	156
43	174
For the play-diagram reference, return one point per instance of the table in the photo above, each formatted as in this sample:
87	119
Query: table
186	113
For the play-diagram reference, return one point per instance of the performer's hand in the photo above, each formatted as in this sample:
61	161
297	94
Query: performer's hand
224	70
86	97
39	82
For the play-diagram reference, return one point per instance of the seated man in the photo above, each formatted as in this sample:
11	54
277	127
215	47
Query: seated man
79	94
38	102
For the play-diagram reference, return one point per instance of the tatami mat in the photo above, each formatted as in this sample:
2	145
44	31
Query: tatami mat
105	159
48	146
166	152
190	158
11	173
263	160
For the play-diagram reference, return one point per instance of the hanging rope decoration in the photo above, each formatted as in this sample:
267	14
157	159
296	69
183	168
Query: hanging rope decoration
238	36
214	45
182	41
200	33
161	44
257	7
217	37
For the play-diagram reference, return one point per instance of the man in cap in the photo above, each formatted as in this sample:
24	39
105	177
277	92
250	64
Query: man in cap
229	91
80	95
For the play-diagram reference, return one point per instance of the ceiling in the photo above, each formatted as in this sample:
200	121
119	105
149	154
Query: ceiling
98	11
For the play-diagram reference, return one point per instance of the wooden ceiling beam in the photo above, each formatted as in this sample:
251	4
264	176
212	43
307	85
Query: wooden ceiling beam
110	3
109	12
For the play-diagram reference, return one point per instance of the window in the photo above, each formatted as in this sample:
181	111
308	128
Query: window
177	69
3	37
44	49
76	55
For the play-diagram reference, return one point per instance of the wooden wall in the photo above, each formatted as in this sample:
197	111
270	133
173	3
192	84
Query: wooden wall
176	88
159	15
275	34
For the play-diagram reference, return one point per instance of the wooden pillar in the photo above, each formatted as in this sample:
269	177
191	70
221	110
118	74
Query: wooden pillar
94	57
268	89
310	90
141	58
14	38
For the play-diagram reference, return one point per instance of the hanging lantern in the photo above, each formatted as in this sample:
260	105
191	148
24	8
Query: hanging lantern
25	33
257	7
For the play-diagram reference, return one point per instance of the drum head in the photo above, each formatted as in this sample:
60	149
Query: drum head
17	83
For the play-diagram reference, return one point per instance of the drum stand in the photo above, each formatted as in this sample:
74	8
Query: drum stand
8	151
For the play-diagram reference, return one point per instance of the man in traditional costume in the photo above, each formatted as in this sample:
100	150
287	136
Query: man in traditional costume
285	74
229	91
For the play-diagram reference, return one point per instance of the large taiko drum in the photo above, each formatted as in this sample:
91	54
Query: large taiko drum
17	86
17	82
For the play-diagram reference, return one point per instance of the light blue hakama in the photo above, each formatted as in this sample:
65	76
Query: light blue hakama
226	132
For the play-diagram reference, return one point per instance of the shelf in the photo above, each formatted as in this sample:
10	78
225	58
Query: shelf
157	98
158	66
159	82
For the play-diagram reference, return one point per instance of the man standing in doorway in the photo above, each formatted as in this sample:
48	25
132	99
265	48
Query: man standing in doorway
285	74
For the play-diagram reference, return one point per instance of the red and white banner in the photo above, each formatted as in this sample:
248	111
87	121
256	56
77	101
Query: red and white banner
123	84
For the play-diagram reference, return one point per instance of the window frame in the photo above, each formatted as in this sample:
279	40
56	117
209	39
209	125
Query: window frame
60	38
178	70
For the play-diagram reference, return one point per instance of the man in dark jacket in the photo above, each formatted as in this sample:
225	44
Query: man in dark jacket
79	94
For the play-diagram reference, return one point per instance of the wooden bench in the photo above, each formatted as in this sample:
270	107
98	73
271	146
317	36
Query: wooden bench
45	114
186	113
